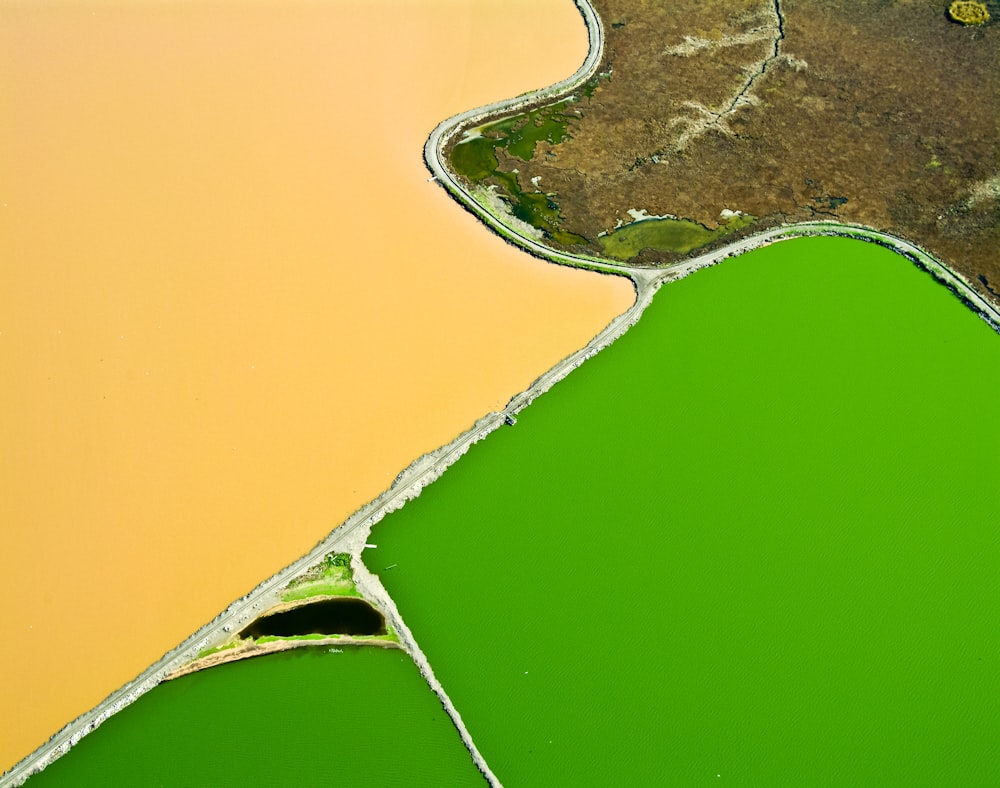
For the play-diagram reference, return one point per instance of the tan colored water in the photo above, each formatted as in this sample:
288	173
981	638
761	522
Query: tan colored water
231	306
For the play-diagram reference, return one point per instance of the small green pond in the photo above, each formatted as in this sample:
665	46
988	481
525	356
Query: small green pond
667	235
755	541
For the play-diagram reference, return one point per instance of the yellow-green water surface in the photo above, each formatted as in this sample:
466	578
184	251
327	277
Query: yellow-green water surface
754	542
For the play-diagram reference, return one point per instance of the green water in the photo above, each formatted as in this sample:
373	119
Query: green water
476	159
754	542
364	717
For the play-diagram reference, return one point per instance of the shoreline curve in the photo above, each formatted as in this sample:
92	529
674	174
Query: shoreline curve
647	276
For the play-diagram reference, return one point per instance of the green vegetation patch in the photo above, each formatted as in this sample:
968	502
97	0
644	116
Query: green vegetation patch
310	636
547	123
390	637
519	134
542	211
332	577
476	160
969	13
595	82
667	235
216	649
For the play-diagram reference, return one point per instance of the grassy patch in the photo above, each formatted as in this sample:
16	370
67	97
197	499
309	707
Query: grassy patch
390	637
595	82
320	589
311	636
332	577
216	649
542	211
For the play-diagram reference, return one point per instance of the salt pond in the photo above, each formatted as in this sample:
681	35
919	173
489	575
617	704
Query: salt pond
755	538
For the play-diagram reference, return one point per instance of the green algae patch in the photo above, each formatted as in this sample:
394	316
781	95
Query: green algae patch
475	159
666	235
765	535
546	123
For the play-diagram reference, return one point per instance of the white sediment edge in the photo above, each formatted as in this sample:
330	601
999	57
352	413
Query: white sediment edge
352	534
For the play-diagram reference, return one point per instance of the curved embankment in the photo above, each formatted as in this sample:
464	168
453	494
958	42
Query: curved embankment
645	278
352	534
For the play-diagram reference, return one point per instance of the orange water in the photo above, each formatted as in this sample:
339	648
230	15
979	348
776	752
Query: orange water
231	306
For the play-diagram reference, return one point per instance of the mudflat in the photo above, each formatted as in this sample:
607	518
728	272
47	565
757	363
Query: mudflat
719	119
233	307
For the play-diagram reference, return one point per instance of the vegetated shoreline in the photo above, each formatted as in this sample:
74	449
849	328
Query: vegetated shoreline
442	135
469	189
350	536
